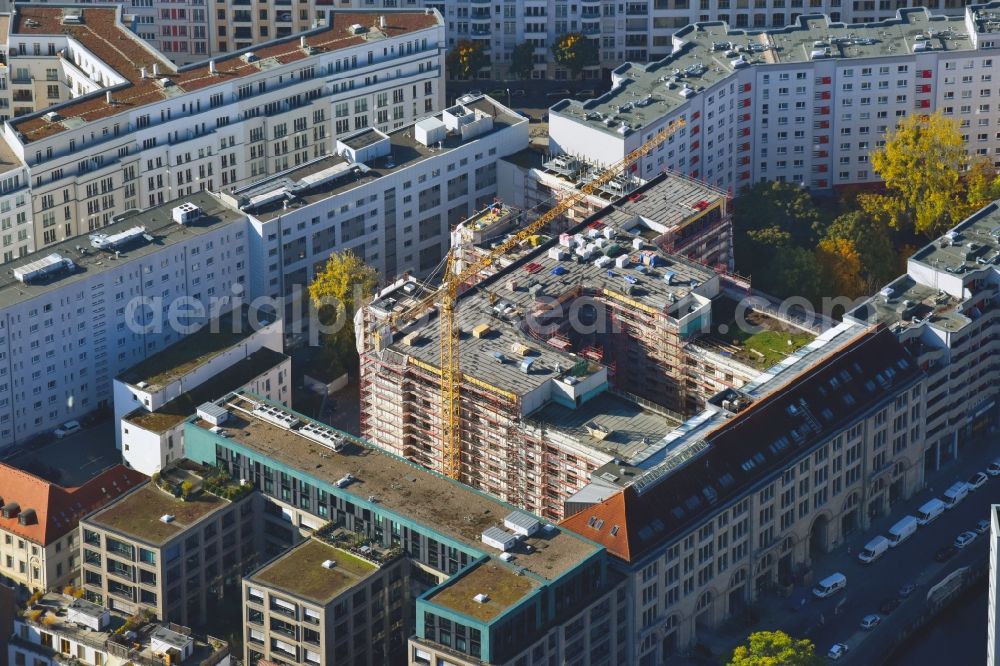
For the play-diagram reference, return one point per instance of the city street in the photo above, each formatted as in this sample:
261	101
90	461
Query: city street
837	619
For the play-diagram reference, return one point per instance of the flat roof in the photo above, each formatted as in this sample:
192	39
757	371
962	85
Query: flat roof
412	492
159	225
234	377
107	38
633	429
137	515
300	572
191	351
502	587
557	277
404	152
704	54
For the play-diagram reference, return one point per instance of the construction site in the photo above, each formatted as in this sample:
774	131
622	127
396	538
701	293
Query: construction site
577	348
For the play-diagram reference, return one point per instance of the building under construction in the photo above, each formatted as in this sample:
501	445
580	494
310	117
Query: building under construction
681	215
578	350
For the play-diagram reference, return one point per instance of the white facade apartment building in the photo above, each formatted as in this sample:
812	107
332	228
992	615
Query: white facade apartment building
390	198
640	31
151	132
804	104
64	312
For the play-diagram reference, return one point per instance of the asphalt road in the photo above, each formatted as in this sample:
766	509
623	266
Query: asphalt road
837	619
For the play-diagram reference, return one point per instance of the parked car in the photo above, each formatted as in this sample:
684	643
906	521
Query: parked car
906	589
830	585
869	622
993	469
67	429
837	651
890	604
585	94
517	93
561	93
965	538
977	480
983	526
945	554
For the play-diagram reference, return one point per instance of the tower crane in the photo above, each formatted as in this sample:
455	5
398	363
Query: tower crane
447	296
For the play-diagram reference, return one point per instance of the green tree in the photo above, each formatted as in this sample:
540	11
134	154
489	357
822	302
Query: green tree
840	260
574	52
522	60
795	271
774	648
872	239
922	164
467	58
336	292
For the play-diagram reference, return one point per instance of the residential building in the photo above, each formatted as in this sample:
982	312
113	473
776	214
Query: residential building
207	355
491	585
390	198
74	316
805	103
320	604
638	31
61	628
944	312
38	519
991	624
133	130
578	349
761	482
175	558
678	214
152	440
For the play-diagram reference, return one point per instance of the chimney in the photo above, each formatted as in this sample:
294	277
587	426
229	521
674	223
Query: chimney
142	72
381	22
156	69
107	97
211	67
302	41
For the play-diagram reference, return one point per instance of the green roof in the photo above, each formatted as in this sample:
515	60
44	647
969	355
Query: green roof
502	587
138	514
300	571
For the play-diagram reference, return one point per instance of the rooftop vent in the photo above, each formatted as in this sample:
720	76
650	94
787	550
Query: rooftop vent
249	57
51	116
357	29
52	264
72	17
481	598
328	564
328	437
186	213
165	82
117	241
275	416
167	518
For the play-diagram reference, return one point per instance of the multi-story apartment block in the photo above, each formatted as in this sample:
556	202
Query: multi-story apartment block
491	585
65	629
755	486
801	104
152	440
320	604
171	556
132	130
38	519
160	391
547	342
390	198
682	215
944	312
79	313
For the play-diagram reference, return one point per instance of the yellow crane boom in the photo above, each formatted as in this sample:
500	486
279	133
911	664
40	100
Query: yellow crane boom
451	412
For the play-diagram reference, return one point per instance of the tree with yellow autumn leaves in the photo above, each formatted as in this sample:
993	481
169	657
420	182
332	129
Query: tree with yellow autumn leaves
574	51
466	59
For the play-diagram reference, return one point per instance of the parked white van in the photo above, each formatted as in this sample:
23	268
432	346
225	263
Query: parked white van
873	549
955	494
929	512
902	530
830	585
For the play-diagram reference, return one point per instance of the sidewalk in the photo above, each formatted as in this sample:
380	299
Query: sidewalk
773	612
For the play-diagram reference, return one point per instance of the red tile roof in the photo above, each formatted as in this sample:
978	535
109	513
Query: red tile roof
751	446
58	509
124	52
